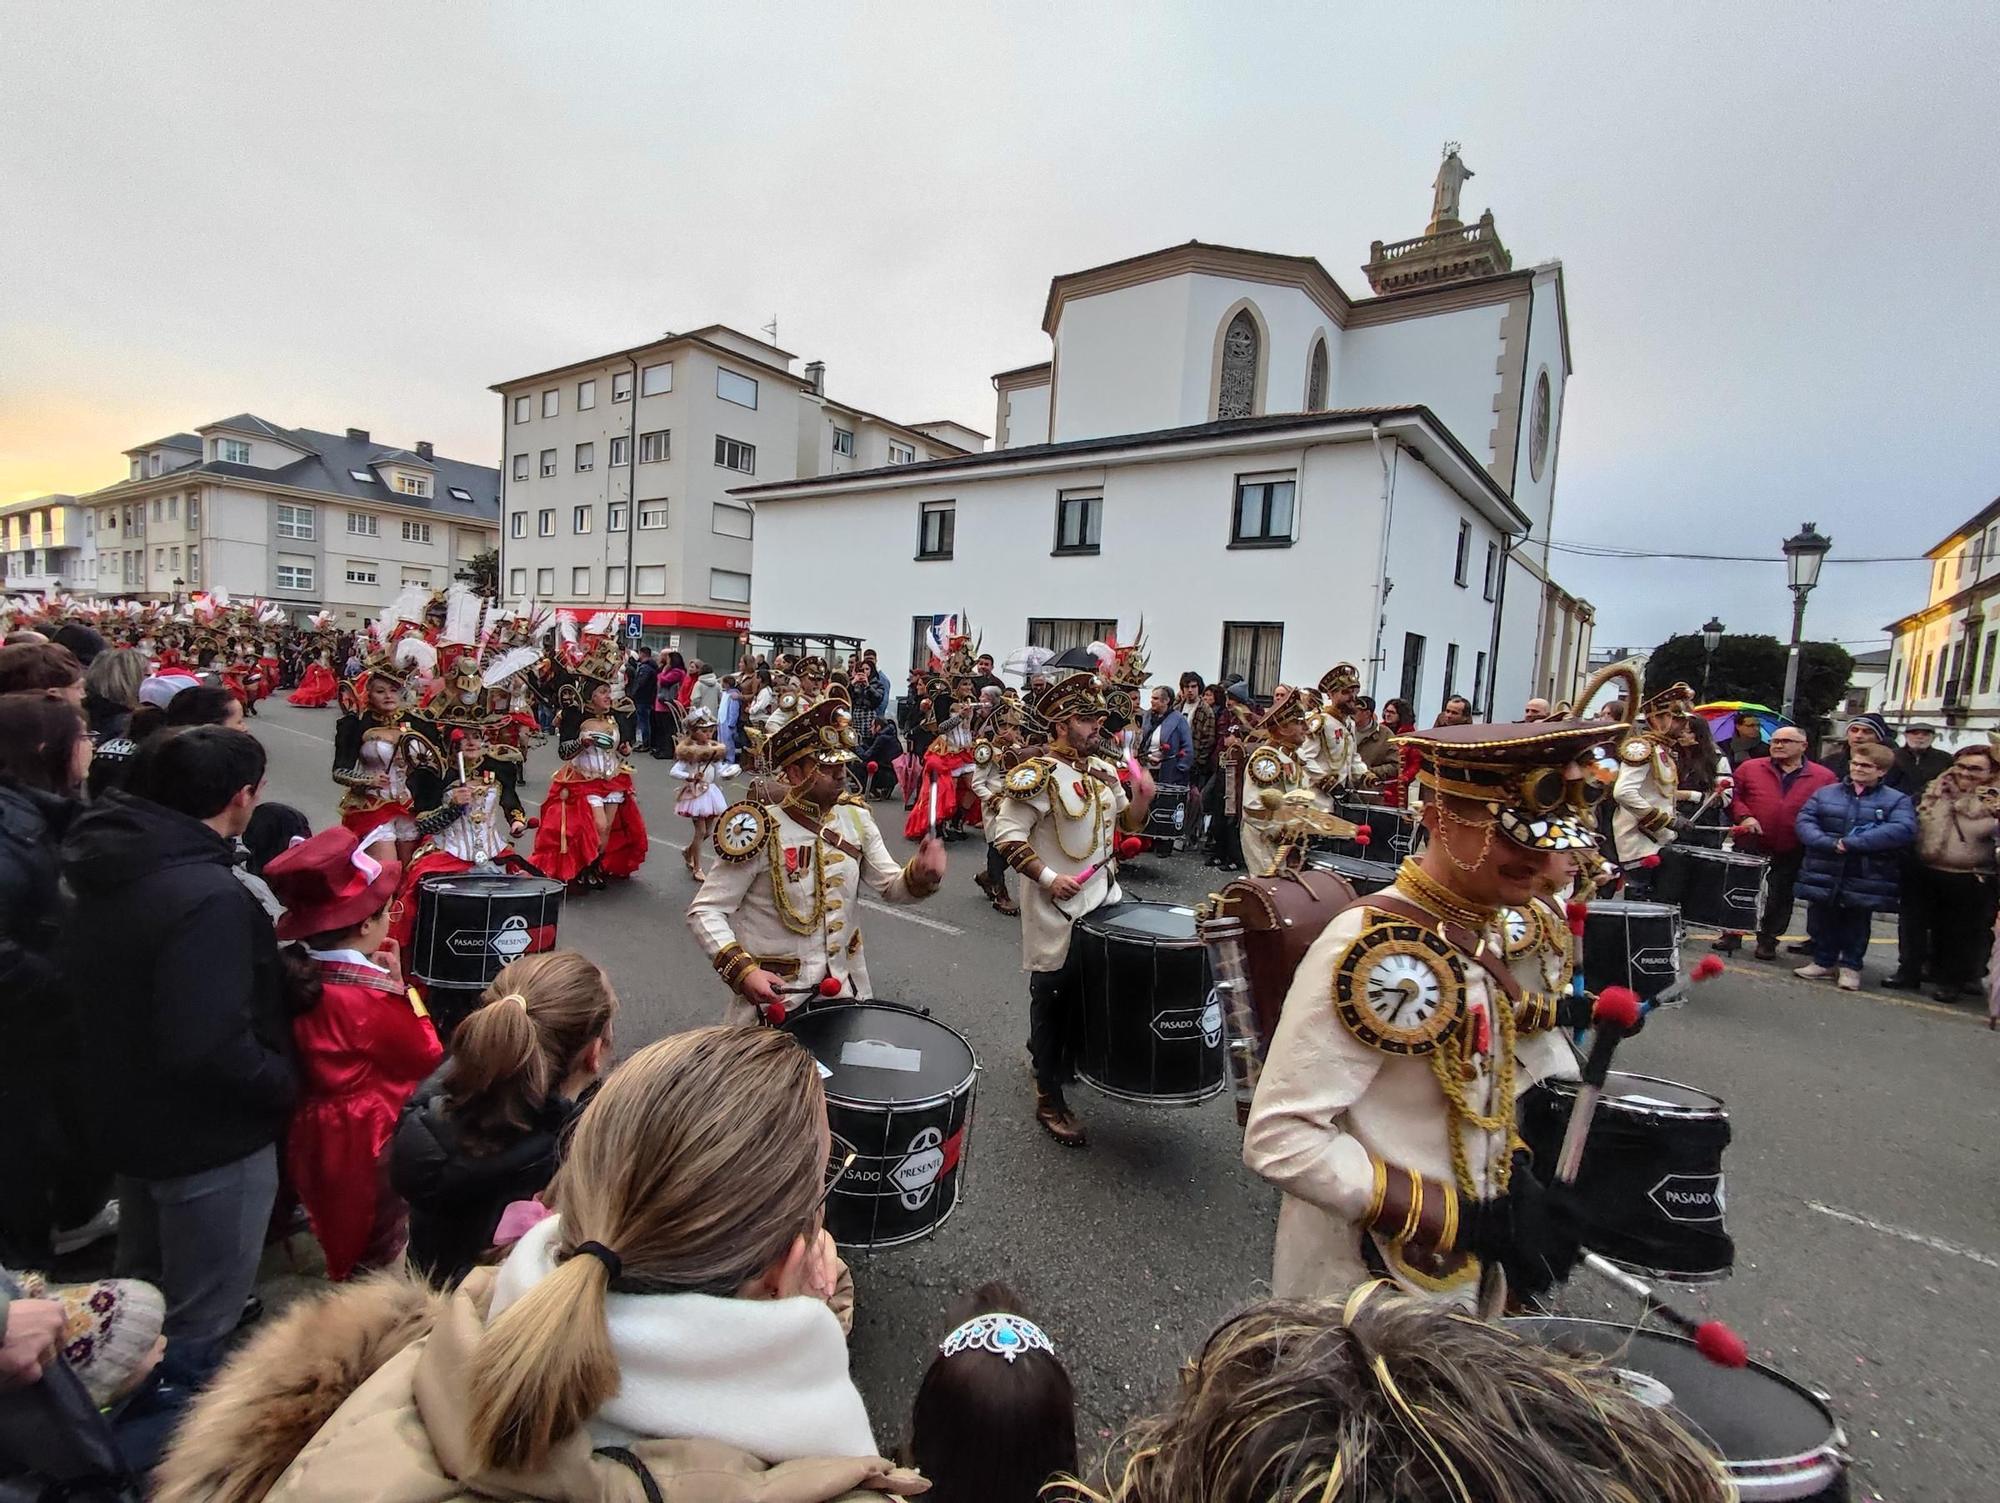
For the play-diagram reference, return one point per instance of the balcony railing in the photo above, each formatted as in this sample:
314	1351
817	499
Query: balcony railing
1468	236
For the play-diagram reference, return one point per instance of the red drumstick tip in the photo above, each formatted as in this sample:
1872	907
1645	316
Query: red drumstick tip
871	769
1720	1345
1577	914
775	1014
1362	835
1649	862
1617	1007
1131	845
1708	968
829	986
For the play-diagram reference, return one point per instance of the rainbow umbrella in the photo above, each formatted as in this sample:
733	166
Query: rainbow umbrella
1721	715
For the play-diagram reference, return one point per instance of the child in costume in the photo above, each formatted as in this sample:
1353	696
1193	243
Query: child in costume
701	762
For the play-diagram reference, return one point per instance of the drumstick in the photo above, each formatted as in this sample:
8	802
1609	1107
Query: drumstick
1616	1012
934	788
1712	1338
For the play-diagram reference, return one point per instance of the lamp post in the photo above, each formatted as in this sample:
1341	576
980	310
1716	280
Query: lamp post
1804	552
1711	638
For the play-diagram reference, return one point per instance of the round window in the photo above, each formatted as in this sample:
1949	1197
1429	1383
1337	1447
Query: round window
1538	426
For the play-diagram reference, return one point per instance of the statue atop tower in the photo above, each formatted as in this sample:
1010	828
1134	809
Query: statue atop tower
1448	250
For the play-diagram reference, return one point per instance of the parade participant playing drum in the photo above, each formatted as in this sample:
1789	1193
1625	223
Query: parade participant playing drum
1273	765
1386	1108
1058	819
1328	752
779	917
1648	787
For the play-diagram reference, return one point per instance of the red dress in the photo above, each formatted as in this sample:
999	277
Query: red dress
361	1052
566	842
317	687
943	764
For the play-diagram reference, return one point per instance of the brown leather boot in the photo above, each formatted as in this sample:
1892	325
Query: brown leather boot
983	883
1057	1120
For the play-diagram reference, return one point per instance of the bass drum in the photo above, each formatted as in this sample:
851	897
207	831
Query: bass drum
470	924
1718	889
1777	1441
1167	818
1633	944
1281	916
1150	1025
1358	872
899	1089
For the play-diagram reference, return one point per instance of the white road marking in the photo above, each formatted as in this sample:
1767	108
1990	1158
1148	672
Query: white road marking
272	725
1922	1239
895	911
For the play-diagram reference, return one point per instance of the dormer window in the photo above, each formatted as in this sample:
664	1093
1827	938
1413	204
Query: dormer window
413	485
232	451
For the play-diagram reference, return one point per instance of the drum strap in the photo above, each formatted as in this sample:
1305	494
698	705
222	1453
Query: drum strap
1461	938
831	836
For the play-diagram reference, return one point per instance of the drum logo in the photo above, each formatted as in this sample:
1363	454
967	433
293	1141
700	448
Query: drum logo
513	937
1181	1024
917	1176
1657	960
1689	1198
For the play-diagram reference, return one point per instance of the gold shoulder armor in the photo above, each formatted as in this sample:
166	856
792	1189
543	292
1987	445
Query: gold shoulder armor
742	831
855	799
1635	751
1028	779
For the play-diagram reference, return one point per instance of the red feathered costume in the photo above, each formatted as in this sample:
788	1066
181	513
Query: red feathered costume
593	766
943	769
317	687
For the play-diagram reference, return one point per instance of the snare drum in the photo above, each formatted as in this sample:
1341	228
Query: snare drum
899	1094
1776	1440
1633	944
1150	1024
1391	832
1363	875
1713	887
471	923
1651	1174
1166	820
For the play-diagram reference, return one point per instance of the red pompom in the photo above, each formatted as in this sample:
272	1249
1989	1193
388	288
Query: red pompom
458	735
1649	862
871	769
1130	846
1362	835
1720	1345
1708	967
775	1014
829	986
1577	914
1617	1007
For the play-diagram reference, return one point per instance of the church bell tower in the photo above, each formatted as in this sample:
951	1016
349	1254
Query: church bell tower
1448	250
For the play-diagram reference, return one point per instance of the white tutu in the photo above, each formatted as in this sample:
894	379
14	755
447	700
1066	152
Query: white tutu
701	803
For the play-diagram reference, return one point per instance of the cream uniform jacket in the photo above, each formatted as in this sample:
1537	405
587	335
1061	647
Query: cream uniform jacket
1643	796
1069	818
1328	753
1267	766
1327	1101
768	849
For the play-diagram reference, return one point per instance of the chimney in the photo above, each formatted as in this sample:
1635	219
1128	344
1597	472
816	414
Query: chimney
423	448
816	375
357	435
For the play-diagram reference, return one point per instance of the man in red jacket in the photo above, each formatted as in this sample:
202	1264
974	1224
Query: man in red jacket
1770	791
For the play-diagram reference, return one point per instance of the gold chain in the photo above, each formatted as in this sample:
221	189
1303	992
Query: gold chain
798	923
1058	809
1484	826
1445	1065
1434	897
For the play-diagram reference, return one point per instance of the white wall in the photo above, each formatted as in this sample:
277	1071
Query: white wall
1024	416
265	453
1446	362
1534	496
1423	550
1291	321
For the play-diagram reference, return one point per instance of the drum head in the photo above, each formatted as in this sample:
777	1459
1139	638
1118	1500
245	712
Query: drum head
1645	1092
1364	875
1733	858
496	884
1630	909
1752	1417
1156	921
883	1056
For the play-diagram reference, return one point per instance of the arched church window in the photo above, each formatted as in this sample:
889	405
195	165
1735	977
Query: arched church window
1538	427
1316	378
1238	395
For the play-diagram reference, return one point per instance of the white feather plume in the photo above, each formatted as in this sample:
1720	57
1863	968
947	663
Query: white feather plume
503	667
462	611
414	652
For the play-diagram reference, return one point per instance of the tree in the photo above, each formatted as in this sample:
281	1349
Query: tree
482	572
1752	667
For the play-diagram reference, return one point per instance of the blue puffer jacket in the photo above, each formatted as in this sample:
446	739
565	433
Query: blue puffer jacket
1878	827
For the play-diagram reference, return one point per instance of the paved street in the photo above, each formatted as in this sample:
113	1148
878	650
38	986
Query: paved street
1861	1194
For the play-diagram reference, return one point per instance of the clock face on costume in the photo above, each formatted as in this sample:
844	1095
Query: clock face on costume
1399	988
1520	929
741	832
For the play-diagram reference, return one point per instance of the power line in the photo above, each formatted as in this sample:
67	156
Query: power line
1612	550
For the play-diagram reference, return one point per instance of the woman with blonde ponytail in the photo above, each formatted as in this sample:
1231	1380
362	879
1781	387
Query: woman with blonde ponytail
486	1128
669	1332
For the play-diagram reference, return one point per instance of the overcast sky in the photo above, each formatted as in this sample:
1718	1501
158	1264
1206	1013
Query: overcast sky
1777	225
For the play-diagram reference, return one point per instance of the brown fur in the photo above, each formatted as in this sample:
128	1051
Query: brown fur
285	1383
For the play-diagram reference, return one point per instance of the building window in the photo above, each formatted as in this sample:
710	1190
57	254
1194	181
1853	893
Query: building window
654	446
1413	667
1929	659
360	573
552	402
621	450
901	453
361	524
458	494
1236	395
1538	427
545	582
153	464
656	380
730	521
1263	514
173	558
1450	670
843	441
158	504
1986	662
545	522
295	576
1316	378
652	579
524	408
1252	649
418	577
731	585
937	523
194	565
520	467
1058	633
517	525
652	515
293	521
614	517
517	582
1079	521
414	485
614	580
416	532
579	519
1492	571
734	388
621	386
548	463
586	458
586	395
232	451
579	580
361	477
194	509
1478	681
1460	559
732	455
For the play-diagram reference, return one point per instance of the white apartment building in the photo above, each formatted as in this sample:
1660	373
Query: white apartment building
1941	658
619	468
311	520
46	547
1271	474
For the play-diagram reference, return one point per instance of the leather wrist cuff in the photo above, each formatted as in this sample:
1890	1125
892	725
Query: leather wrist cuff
1413	1212
920	884
733	963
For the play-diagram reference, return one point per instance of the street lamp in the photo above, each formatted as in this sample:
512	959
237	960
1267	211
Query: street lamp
1804	552
1711	638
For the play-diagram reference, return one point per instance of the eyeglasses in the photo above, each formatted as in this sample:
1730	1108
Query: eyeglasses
836	1171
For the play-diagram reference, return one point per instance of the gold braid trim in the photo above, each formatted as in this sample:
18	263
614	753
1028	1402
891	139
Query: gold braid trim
1433	896
921	884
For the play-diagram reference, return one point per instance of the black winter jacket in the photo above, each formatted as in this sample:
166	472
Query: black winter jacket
175	972
456	1196
31	825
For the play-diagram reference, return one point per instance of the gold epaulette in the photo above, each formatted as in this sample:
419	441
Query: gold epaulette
1028	779
1635	751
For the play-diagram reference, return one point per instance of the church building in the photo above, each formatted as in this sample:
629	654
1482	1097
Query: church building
1270	473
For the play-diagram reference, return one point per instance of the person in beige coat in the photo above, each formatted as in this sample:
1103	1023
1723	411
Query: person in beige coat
675	1329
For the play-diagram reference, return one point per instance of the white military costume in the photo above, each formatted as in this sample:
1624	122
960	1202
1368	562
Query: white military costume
1386	1107
1271	769
785	898
1647	788
1328	754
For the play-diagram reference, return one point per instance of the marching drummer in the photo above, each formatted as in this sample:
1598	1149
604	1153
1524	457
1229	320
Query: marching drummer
1273	766
1648	787
1386	1107
1328	752
779	915
1056	825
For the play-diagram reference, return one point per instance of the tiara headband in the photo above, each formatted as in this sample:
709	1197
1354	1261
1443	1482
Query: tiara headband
1003	1335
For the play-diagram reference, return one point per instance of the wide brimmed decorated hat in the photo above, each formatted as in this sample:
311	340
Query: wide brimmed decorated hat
822	731
1534	777
1675	699
329	884
1071	695
1289	706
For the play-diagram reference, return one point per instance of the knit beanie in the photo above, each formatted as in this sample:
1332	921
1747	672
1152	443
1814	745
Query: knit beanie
109	1331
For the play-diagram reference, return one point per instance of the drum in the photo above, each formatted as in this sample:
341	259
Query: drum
1167	819
1391	832
1633	944
1777	1441
1363	875
471	923
1713	887
1150	1025
1281	916
899	1090
1651	1175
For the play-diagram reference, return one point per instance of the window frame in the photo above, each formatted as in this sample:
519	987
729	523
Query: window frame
639	579
947	534
547	463
584	457
1267	480
661	442
416	532
545	522
612	589
586	395
545	572
722	396
840	433
646	386
614	517
716	508
1267	639
311	522
373	529
517	524
576	571
902	453
519	472
621	451
646	508
357	568
1086	496
621	396
1462	557
295	570
517	583
524	407
726	447
1492	571
714	594
579	520
232	451
552	402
